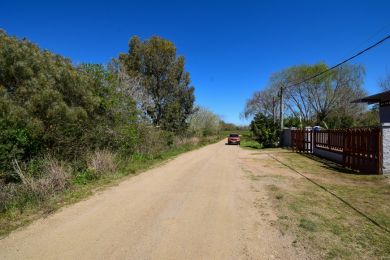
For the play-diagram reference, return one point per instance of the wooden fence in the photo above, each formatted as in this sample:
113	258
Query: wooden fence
360	148
363	150
330	140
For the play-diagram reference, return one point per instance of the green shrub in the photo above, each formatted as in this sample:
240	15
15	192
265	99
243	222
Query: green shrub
265	130
47	105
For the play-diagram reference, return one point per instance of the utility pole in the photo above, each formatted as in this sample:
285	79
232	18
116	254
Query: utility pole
281	109
274	109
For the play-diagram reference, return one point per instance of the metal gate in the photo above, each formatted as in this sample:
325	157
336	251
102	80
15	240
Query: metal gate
301	140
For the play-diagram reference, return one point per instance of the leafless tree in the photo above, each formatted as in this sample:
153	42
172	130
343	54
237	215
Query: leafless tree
132	87
384	83
204	122
263	101
314	100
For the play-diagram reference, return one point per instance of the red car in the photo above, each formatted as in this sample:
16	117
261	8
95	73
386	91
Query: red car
234	139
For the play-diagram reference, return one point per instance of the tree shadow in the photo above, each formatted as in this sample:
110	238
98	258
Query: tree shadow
330	165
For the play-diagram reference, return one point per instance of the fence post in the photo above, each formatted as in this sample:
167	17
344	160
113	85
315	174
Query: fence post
345	149
379	152
307	139
385	151
312	140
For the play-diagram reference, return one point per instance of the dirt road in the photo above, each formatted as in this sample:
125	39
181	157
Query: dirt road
200	205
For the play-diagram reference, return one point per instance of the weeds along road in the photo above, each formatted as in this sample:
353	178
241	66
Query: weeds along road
199	205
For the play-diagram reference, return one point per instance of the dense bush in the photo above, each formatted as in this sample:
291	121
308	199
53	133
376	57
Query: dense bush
46	104
49	106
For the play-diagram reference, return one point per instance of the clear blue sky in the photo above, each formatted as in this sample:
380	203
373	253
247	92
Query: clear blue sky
231	47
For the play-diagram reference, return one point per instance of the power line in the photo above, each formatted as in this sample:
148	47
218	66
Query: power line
341	63
322	73
373	221
370	38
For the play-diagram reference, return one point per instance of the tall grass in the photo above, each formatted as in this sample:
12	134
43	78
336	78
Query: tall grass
101	163
54	178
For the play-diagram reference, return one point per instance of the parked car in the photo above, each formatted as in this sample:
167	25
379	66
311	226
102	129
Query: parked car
234	139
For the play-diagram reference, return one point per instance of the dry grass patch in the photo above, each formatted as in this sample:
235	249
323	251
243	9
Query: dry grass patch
18	199
101	163
186	140
54	178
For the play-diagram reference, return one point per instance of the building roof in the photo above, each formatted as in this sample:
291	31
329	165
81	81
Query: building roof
382	98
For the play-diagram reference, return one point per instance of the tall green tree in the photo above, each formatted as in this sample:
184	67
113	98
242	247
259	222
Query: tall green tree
169	98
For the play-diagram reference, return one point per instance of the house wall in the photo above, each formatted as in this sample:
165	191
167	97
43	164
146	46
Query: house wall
384	113
386	148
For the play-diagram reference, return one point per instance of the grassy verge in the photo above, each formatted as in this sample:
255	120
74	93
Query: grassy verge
341	216
82	186
250	144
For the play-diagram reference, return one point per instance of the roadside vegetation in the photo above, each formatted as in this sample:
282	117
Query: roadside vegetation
67	129
339	216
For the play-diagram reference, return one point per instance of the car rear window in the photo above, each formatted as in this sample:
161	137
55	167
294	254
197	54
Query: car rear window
233	135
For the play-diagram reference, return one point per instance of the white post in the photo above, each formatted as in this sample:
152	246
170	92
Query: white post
386	148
